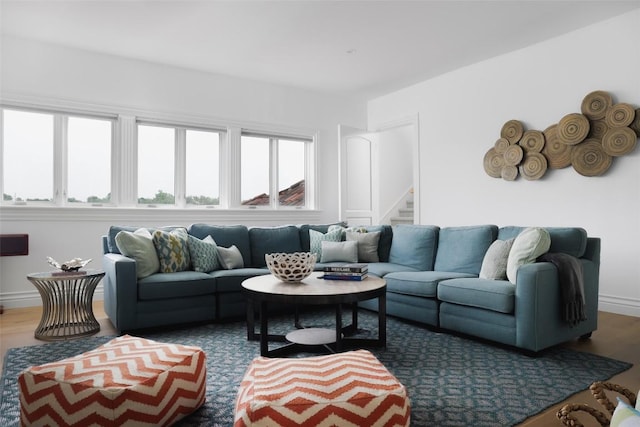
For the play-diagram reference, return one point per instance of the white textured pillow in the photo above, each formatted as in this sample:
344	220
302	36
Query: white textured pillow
494	264
339	251
139	246
527	247
230	258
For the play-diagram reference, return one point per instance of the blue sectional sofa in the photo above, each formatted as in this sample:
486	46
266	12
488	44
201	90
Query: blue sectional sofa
432	276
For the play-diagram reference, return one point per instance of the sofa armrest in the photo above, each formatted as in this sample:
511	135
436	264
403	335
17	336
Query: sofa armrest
120	290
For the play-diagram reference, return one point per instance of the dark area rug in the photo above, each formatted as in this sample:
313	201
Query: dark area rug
451	381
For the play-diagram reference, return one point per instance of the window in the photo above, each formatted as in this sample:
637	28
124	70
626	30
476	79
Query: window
156	158
202	168
53	157
273	171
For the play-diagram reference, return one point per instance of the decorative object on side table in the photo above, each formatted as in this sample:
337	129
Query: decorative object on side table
291	267
74	264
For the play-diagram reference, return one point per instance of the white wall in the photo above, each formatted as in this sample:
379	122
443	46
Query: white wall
34	71
461	114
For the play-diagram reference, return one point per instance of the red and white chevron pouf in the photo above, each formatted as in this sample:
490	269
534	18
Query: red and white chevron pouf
351	388
127	381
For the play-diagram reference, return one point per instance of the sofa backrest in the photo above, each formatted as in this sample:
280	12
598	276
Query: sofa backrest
226	236
462	249
568	240
414	246
266	240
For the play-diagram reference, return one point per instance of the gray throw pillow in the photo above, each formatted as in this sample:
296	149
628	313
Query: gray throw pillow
230	258
494	264
367	245
339	252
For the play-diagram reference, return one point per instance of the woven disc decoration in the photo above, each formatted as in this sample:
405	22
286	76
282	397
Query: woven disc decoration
620	115
509	173
619	141
513	155
532	141
493	163
558	154
589	158
597	129
501	145
595	104
512	131
635	125
573	129
534	166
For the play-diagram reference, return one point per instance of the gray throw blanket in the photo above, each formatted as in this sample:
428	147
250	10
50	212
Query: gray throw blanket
570	276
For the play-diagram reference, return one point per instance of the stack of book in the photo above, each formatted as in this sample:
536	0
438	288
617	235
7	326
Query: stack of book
346	272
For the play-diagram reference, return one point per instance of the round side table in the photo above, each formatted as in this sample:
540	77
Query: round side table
67	303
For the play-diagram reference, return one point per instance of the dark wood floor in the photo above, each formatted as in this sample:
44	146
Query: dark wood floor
617	337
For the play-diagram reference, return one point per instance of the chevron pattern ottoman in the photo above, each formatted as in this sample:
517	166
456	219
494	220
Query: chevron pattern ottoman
351	388
127	381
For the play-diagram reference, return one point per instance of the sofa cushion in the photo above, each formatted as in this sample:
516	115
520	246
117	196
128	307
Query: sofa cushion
225	236
495	295
203	253
231	280
139	246
414	246
494	264
367	245
173	250
568	240
418	283
462	249
267	240
175	285
526	248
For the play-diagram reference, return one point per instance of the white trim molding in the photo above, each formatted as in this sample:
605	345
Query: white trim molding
619	305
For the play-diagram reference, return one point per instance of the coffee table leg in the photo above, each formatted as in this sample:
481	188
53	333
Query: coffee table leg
338	328
251	320
264	329
382	320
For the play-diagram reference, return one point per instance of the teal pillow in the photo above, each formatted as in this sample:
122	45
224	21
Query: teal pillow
172	249
204	254
339	251
316	238
139	246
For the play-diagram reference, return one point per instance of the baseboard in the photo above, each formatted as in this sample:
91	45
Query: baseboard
32	298
613	304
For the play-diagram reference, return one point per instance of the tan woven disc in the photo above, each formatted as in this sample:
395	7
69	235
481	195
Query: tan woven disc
589	159
573	129
501	145
595	104
620	115
532	141
493	163
635	125
619	141
558	154
509	173
512	131
533	166
513	155
597	129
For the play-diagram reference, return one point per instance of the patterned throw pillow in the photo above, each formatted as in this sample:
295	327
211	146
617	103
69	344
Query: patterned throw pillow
172	249
316	238
203	253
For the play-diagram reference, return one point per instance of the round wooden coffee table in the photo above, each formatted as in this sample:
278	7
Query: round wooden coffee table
262	290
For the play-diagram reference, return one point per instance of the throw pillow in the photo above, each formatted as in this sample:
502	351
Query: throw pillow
139	246
230	258
367	245
339	251
316	238
494	264
625	415
203	253
527	247
172	249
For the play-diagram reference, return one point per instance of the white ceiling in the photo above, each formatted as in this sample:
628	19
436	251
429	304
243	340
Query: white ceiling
366	47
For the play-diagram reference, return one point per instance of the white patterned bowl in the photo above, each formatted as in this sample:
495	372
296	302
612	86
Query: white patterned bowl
291	267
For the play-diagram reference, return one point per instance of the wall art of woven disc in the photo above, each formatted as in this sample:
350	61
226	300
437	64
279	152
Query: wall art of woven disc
595	104
573	129
512	131
620	115
635	125
501	145
619	141
493	163
532	141
558	154
509	173
513	155
533	166
589	158
597	128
